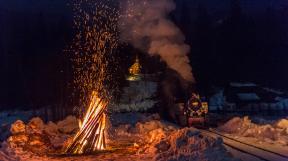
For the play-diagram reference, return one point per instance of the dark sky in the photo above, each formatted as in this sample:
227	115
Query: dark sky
214	6
220	8
33	34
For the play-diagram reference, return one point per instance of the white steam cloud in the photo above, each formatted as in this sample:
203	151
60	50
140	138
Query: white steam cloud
145	25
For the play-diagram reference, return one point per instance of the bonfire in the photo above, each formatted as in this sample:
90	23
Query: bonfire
91	136
92	54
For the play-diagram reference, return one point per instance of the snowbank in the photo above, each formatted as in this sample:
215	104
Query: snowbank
40	138
276	132
164	142
282	124
8	117
146	140
190	144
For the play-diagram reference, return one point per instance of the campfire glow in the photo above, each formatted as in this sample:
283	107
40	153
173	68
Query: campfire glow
91	136
94	44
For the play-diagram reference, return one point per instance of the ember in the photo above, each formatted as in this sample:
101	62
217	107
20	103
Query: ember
92	53
91	134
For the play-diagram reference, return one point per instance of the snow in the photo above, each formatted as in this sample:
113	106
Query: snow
252	96
238	84
18	127
190	144
40	138
8	117
282	124
248	96
146	138
271	146
274	133
273	91
68	125
217	101
138	96
282	103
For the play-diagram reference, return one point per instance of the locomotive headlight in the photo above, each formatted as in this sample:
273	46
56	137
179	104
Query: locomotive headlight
205	105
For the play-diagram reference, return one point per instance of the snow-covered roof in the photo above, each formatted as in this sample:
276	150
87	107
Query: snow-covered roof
237	84
248	97
278	92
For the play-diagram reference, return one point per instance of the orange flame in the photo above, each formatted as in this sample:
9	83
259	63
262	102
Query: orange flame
91	137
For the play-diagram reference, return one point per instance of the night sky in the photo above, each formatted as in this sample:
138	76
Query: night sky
230	41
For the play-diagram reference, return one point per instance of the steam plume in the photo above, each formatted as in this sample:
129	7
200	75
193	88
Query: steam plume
144	24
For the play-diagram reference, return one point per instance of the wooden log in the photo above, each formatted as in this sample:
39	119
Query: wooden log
91	135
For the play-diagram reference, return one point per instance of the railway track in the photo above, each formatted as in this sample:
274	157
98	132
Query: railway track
248	149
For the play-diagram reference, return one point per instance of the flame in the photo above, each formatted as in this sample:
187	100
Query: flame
91	135
92	48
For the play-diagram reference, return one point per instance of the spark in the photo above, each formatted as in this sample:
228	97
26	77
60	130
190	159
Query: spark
96	39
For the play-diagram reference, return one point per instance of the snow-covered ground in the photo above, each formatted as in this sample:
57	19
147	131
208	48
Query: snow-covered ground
145	137
139	136
8	117
271	135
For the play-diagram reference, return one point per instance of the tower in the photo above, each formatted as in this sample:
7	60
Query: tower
135	71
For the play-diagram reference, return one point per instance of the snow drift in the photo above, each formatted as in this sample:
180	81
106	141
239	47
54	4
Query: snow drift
190	144
149	138
276	132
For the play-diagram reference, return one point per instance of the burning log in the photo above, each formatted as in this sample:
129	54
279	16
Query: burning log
91	135
96	40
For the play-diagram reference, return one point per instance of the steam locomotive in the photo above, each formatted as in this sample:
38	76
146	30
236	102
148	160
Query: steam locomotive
193	112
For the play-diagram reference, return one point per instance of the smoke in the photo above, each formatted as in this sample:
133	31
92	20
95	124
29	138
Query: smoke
145	25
